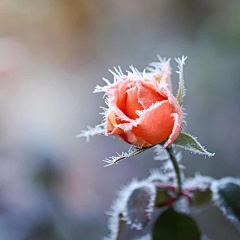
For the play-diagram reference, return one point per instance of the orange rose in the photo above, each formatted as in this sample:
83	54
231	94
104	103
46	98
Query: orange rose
142	109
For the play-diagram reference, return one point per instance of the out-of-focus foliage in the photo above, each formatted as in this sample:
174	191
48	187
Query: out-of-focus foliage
173	225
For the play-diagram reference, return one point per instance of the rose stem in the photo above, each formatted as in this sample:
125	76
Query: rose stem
176	168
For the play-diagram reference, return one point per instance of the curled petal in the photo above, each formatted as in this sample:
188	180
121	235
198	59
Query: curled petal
132	104
176	130
148	95
158	120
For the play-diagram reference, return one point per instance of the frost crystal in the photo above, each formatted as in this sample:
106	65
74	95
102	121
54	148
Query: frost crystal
131	152
157	66
91	132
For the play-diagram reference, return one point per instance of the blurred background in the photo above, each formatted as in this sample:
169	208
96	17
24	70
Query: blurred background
52	55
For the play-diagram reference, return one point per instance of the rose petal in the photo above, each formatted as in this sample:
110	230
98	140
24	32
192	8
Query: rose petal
132	103
149	96
176	130
131	138
122	94
156	124
123	130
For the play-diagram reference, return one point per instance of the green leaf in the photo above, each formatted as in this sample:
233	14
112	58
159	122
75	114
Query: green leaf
140	206
227	198
172	225
190	143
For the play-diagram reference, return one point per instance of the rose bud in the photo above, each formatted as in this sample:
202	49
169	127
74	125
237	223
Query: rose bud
142	109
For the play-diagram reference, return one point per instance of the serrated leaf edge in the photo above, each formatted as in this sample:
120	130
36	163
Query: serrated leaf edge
204	150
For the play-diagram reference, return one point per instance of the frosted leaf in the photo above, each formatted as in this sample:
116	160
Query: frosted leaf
131	152
119	211
226	196
181	89
116	221
140	205
91	132
191	144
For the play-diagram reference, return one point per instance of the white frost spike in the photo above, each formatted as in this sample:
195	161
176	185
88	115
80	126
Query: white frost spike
134	72
116	75
181	89
104	88
91	132
158	65
161	153
115	159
